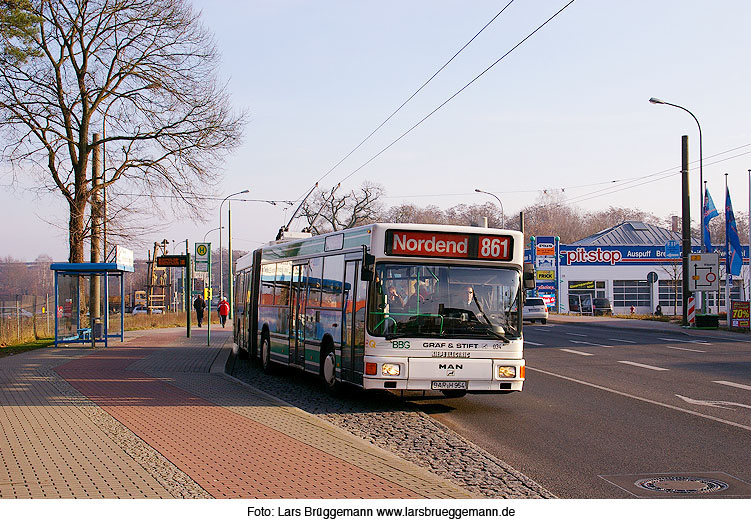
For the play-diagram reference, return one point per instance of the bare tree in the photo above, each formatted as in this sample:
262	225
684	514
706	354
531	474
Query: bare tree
140	72
552	215
599	220
411	213
464	214
328	211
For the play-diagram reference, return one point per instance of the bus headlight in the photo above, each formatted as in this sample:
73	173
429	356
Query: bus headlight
391	370
506	372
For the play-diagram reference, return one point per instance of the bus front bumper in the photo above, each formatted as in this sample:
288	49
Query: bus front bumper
473	375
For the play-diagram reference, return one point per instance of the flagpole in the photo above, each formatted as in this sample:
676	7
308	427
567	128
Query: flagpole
748	268
727	257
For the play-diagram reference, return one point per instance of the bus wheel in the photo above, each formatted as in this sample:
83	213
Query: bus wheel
328	372
266	355
453	394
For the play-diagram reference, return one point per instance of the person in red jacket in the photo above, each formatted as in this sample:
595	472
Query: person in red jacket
223	309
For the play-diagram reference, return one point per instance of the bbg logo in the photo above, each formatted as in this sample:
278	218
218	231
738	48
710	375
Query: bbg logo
400	344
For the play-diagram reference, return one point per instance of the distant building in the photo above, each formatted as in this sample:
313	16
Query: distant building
614	264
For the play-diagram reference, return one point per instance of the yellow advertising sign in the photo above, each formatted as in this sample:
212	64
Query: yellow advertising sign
546	275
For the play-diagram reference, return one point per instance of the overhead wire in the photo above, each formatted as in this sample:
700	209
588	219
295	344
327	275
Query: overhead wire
208	198
444	103
619	182
585	197
402	105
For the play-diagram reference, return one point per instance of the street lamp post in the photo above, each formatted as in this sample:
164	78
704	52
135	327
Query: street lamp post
209	232
503	218
221	275
655	100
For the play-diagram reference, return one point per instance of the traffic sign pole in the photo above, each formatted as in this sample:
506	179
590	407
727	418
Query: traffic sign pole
208	315
188	294
203	257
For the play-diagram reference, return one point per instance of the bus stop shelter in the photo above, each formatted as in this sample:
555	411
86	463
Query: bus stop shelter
77	318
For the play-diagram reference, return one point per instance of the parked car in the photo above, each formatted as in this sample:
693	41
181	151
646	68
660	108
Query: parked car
602	307
535	309
142	310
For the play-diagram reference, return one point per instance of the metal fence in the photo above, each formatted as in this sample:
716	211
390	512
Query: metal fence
26	318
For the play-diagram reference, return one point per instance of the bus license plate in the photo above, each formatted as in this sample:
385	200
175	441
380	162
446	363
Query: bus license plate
448	385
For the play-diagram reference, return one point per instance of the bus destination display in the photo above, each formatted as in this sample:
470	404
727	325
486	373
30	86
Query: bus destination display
449	245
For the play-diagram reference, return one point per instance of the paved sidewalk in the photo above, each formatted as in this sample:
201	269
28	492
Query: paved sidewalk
156	417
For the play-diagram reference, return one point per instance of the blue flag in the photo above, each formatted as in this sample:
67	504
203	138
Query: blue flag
733	254
710	211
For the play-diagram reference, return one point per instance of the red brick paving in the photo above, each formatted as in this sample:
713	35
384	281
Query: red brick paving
229	455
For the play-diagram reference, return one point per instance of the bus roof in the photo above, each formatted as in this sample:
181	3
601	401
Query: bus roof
374	237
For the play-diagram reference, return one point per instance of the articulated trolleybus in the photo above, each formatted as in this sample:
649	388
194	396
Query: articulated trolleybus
389	306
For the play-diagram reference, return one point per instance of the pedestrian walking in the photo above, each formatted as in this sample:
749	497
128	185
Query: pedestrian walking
200	304
223	309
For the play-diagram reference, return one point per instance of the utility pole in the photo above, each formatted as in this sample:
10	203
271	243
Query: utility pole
686	226
187	289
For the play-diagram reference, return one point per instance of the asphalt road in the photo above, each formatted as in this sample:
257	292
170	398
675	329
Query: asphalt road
604	407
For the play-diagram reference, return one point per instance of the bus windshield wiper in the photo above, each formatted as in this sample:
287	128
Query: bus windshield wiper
501	336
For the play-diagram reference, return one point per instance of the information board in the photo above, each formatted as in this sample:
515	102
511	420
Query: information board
704	272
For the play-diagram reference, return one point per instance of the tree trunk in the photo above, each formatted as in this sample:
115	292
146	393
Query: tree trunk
76	234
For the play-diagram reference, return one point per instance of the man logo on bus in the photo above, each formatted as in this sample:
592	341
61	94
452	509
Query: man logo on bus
581	255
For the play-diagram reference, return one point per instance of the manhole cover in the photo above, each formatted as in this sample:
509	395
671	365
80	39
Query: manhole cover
682	485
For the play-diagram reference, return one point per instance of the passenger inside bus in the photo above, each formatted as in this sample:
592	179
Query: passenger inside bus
421	296
396	301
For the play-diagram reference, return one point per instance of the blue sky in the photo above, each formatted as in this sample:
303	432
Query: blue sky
567	109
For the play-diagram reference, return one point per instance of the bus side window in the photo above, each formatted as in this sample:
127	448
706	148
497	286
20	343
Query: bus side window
268	273
333	270
314	272
283	275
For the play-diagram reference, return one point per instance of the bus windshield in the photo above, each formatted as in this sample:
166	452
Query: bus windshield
408	300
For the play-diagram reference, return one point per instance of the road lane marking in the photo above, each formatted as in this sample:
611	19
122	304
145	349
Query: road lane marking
734	384
642	399
577	334
685	349
532	343
714	404
574	351
685	341
640	365
624	340
590	343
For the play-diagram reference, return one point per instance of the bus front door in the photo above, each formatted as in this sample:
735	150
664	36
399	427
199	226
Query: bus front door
297	316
